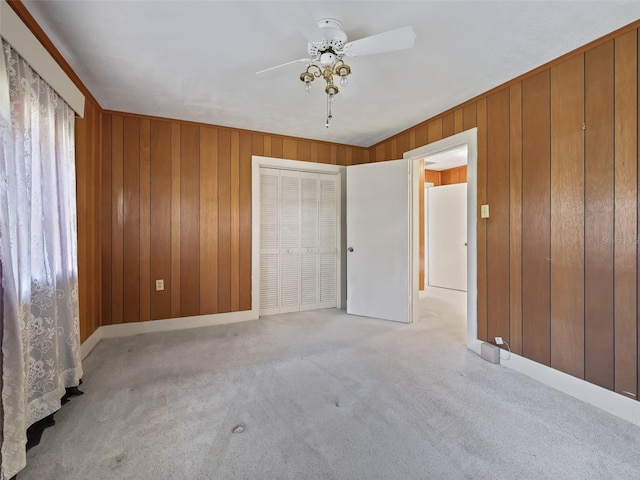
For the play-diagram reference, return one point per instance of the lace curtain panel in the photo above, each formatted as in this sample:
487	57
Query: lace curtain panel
38	251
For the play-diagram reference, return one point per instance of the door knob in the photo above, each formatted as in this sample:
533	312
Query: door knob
350	249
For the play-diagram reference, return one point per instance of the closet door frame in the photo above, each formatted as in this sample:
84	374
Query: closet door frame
296	165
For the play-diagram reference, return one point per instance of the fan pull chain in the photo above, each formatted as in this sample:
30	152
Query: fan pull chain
329	116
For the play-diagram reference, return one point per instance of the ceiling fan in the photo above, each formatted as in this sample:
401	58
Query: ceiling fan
326	56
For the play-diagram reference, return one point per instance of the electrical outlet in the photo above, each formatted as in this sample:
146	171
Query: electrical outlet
159	285
499	341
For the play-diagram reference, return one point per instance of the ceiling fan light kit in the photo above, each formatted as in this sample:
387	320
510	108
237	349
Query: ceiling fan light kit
326	56
335	68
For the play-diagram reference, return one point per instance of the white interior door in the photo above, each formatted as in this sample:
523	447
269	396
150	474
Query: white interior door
378	259
447	236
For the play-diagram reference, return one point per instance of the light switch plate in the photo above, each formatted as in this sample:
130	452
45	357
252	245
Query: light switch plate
484	211
159	285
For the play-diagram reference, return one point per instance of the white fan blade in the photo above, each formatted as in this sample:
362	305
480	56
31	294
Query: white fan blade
398	39
300	60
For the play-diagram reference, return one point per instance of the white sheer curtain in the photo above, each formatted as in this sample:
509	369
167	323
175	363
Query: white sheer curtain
38	251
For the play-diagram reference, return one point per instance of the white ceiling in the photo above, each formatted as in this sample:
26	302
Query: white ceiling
456	157
197	60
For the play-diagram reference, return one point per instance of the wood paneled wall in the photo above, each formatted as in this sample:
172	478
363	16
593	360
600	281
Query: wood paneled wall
176	206
88	198
558	165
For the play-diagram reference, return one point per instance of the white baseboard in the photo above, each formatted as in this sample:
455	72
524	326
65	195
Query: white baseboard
182	323
90	343
614	403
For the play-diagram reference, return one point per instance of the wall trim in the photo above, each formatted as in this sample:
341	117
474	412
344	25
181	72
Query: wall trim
607	400
172	324
90	343
168	325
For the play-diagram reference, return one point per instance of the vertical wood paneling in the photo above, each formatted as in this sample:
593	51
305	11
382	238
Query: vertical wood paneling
94	282
304	150
145	219
235	221
341	155
324	153
189	220
117	222
175	219
434	130
448	125
433	176
389	154
380	153
358	156
536	209
89	218
515	218
567	216
106	224
160	247
82	134
290	148
626	213
599	227
422	134
498	224
457	121
482	199
637	248
469	116
402	144
276	147
209	220
267	145
334	154
257	144
224	220
314	152
245	221
131	226
450	176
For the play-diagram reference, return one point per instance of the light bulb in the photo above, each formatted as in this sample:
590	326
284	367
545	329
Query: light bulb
307	87
343	80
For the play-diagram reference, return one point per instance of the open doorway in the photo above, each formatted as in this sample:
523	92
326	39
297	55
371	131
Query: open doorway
465	140
445	220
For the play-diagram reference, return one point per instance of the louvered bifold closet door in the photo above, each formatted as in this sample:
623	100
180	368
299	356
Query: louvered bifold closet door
289	241
328	240
269	242
309	253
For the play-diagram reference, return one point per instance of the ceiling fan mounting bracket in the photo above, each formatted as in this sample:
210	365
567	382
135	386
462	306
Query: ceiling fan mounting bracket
334	37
